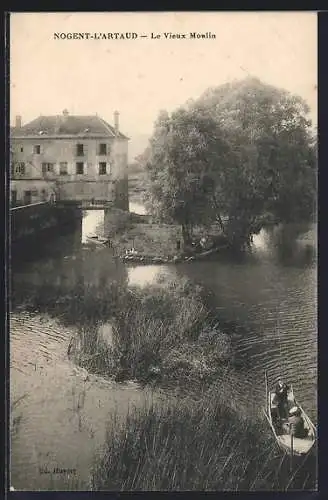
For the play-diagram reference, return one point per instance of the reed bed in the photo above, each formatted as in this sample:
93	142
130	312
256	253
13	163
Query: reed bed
187	444
164	332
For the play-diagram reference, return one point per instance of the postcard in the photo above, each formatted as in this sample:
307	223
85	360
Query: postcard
163	255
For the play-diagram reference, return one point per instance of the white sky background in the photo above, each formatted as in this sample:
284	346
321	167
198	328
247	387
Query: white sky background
140	77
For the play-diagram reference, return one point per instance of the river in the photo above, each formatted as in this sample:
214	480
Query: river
59	412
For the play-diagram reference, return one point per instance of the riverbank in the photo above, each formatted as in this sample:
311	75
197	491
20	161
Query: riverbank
197	444
142	241
148	239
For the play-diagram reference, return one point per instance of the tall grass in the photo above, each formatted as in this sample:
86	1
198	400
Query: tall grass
163	331
184	444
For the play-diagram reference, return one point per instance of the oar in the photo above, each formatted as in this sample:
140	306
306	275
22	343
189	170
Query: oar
291	447
266	390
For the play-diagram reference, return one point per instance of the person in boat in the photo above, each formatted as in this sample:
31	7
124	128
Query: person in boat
281	399
296	423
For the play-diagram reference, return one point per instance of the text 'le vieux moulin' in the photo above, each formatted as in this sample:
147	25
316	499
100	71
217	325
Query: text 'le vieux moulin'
133	36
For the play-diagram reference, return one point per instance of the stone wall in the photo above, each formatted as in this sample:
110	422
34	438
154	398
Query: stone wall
86	191
32	221
115	220
38	189
122	194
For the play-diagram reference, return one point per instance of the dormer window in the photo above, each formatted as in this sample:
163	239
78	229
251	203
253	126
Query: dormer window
41	132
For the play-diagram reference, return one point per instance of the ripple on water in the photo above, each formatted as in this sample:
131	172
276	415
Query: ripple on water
272	311
59	413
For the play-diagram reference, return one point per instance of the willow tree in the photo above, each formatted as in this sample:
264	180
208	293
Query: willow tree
181	163
273	169
240	153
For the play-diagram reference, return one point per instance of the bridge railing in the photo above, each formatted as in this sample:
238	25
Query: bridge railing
24	207
87	203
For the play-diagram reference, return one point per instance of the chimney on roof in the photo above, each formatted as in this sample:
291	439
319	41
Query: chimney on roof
18	121
117	121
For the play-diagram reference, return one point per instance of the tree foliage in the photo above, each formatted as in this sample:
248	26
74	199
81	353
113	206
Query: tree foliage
241	151
181	163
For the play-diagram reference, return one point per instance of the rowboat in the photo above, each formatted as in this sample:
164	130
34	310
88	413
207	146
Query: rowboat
289	443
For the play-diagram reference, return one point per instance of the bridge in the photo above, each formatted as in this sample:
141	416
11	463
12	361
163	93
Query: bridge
30	224
82	204
45	220
24	207
93	204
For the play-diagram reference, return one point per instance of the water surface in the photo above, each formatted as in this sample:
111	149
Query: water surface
267	301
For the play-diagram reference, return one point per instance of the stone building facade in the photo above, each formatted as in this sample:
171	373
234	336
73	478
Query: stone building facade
70	158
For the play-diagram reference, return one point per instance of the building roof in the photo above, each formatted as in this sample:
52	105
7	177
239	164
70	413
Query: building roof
67	125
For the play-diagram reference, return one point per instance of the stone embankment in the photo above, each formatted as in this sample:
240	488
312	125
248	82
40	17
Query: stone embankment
146	259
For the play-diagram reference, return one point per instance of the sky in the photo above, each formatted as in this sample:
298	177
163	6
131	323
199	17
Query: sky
140	77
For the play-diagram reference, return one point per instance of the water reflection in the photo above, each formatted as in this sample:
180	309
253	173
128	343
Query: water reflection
137	208
145	275
92	220
85	268
290	245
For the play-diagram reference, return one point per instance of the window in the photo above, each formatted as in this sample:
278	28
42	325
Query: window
79	168
79	150
47	167
37	149
63	168
102	168
22	149
102	149
20	168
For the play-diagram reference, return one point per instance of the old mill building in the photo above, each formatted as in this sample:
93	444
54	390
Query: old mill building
70	158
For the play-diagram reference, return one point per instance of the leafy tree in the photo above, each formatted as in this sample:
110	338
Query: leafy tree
239	153
274	162
181	164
